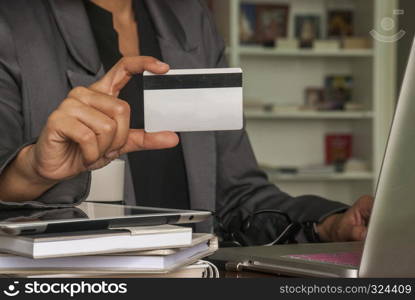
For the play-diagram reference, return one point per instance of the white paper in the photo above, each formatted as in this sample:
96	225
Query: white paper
107	184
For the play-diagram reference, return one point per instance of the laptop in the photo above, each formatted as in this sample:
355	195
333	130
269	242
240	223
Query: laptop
389	248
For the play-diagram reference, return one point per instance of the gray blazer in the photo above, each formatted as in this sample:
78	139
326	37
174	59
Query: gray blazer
47	48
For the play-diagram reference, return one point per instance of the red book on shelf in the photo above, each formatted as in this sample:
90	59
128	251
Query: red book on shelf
338	148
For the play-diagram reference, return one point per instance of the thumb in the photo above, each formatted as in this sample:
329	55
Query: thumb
121	73
358	233
140	140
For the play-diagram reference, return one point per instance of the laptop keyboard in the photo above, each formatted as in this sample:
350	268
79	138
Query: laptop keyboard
344	259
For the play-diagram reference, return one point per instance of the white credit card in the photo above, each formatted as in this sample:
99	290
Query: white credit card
193	100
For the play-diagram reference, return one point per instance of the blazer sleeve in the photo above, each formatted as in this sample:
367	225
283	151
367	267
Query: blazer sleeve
12	130
242	188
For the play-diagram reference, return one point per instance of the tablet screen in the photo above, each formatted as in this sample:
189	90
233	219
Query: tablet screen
84	211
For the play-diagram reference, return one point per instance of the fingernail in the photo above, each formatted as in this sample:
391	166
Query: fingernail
112	155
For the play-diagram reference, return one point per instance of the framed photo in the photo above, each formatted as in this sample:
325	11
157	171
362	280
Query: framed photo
307	29
247	24
272	23
339	91
340	23
314	98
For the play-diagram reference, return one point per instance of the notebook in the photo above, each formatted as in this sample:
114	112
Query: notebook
147	262
200	269
95	242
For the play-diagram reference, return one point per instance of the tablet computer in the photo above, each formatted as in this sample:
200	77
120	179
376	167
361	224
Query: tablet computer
92	216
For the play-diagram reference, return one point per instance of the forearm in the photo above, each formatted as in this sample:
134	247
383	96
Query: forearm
19	182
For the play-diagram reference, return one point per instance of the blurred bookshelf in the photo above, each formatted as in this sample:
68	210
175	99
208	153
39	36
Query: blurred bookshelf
347	176
257	51
277	76
252	114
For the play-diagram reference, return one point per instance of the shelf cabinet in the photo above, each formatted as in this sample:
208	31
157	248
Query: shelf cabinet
252	114
262	51
348	177
280	76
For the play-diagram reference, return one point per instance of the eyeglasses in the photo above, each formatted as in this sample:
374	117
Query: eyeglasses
262	228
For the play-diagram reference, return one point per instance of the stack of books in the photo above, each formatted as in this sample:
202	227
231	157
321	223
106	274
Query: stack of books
145	251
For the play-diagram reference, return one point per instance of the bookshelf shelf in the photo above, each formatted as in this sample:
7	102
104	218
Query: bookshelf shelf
308	115
355	176
294	137
262	51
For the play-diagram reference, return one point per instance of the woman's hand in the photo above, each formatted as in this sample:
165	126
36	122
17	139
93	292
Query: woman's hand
350	226
88	130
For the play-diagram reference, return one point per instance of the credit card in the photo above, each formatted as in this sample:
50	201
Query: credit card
194	100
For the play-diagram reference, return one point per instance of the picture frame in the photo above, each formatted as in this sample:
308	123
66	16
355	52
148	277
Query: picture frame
248	23
314	98
340	23
338	91
308	29
271	23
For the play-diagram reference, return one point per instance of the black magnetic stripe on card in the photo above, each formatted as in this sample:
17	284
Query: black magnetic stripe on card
195	81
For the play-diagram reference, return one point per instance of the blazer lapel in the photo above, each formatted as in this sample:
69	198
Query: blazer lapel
74	26
176	47
198	148
167	24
